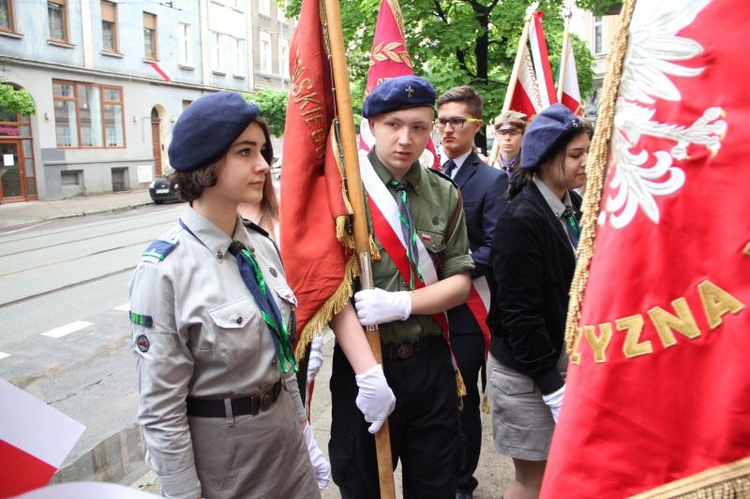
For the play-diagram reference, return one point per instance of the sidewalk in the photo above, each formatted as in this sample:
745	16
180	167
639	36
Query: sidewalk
14	216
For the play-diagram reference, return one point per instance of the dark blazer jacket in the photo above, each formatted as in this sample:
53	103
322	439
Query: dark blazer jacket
483	191
533	264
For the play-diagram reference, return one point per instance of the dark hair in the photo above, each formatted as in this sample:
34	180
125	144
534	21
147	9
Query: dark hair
520	177
189	185
465	94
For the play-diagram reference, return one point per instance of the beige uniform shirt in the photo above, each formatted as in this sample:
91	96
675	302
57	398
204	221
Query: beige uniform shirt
197	331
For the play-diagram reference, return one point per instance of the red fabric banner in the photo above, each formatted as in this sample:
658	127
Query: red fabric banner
659	382
389	58
311	189
526	97
21	471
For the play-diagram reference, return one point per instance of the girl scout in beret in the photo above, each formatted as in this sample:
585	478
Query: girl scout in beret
533	258
211	318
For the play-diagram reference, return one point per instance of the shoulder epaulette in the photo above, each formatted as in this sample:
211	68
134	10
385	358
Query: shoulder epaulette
159	249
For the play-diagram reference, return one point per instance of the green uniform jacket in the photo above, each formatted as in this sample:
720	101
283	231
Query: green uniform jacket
433	201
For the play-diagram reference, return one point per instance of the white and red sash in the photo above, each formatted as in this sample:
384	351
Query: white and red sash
387	227
479	305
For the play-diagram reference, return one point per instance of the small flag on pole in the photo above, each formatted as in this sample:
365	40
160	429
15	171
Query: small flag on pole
162	71
35	439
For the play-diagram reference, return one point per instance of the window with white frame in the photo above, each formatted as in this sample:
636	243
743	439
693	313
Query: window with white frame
218	55
284	57
238	59
264	7
265	52
598	35
184	36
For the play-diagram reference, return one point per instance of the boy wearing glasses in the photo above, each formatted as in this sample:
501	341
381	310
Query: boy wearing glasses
482	187
423	270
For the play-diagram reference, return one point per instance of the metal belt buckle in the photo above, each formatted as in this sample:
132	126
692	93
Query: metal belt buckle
405	350
266	400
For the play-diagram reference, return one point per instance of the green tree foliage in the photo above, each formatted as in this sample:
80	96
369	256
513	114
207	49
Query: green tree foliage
272	103
456	42
14	101
601	7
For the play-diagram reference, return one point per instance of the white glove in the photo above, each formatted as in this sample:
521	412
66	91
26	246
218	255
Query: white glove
554	401
319	462
377	306
315	362
375	398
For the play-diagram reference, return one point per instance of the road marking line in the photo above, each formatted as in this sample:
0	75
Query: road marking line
125	307
65	330
3	355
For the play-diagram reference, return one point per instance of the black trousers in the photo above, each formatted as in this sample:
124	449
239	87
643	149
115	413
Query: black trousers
424	427
469	350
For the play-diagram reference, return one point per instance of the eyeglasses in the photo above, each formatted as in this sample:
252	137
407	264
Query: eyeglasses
456	122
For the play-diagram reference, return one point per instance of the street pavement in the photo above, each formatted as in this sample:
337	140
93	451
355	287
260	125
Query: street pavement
123	451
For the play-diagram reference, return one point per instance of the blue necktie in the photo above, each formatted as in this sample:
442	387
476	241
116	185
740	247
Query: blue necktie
571	223
256	284
448	167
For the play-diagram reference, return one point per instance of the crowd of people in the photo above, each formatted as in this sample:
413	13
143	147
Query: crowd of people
212	317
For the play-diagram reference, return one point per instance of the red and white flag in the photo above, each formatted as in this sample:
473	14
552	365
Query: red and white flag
35	439
542	70
657	402
162	71
571	94
390	58
526	97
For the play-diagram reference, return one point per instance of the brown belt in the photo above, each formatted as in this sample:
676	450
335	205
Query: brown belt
241	406
406	350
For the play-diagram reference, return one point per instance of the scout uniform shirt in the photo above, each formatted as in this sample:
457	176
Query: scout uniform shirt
197	332
433	201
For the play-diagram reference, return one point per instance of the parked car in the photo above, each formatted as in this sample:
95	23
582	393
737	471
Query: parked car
162	191
276	168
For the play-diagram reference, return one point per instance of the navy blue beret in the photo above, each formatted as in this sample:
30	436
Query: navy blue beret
207	128
402	92
546	130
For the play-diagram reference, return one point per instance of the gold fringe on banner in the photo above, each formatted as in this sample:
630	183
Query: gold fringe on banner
730	481
596	171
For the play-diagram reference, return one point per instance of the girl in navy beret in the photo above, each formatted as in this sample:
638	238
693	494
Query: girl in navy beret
533	258
211	323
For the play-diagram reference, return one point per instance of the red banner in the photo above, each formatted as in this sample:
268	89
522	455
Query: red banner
389	58
659	381
312	204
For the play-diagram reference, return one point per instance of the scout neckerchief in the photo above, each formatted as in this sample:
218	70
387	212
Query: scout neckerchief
408	229
571	224
387	227
508	165
252	276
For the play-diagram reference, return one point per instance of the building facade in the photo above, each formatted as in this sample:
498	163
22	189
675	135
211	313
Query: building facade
110	78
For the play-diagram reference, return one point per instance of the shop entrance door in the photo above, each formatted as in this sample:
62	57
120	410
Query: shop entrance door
12	178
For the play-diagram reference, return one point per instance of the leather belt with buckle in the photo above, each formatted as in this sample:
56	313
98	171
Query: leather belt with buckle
406	350
253	404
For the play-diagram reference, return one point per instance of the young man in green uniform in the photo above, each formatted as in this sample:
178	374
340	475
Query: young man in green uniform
424	269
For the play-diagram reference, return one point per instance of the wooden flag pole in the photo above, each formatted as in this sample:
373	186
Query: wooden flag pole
566	13
513	77
359	218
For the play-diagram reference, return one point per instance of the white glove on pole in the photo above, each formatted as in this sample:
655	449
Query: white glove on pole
319	462
375	398
377	306
554	401
315	362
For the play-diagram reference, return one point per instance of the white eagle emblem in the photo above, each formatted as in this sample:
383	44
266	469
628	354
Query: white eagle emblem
654	46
